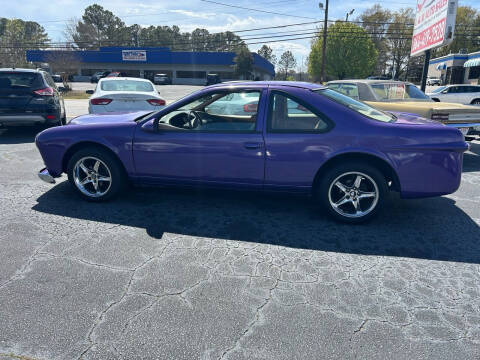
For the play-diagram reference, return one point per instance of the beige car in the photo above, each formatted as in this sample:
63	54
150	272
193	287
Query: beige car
390	95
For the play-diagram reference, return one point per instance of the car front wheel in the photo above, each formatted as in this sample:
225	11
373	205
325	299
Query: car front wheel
353	193
95	174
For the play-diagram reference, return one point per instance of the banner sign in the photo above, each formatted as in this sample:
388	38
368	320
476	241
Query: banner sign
134	55
434	24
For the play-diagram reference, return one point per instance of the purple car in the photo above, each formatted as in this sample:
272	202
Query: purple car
299	137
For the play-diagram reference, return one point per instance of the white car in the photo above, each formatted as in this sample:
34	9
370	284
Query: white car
434	81
462	94
124	94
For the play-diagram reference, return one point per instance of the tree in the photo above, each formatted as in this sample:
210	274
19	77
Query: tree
243	62
287	62
375	22
98	27
467	25
16	36
64	62
399	39
350	53
267	53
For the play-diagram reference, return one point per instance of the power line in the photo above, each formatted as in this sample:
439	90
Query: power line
257	10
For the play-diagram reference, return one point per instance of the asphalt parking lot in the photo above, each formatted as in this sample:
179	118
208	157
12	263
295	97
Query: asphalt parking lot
189	274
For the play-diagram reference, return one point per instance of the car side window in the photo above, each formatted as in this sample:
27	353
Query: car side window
217	112
289	115
453	90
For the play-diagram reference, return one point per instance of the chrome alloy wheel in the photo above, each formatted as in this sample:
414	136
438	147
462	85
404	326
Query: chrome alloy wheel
353	194
92	176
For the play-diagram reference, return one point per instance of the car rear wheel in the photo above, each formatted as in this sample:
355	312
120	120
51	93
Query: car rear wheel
352	193
476	102
95	174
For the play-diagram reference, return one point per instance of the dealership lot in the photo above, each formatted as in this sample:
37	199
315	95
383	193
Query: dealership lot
189	274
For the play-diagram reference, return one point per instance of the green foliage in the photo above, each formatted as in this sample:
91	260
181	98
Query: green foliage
16	36
267	53
100	27
467	23
350	53
287	62
243	62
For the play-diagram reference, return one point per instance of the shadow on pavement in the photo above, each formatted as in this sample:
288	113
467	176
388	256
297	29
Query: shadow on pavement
19	135
471	159
434	229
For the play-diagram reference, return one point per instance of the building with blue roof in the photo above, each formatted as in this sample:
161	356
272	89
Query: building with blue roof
456	68
183	67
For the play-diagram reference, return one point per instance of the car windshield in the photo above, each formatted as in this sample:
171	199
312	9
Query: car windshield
126	85
397	91
440	89
357	106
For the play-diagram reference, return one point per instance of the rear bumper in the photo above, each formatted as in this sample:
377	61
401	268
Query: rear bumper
45	176
25	120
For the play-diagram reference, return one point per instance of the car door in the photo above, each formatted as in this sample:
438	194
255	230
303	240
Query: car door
296	140
223	149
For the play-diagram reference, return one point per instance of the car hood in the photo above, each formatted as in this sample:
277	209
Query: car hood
110	117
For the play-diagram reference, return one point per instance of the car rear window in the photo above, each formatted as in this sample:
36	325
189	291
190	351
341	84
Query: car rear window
357	106
17	80
126	85
397	91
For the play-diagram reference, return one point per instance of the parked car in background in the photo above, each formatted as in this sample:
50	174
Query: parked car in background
124	94
57	78
30	97
116	74
301	138
98	75
433	81
213	79
406	97
162	79
461	94
381	77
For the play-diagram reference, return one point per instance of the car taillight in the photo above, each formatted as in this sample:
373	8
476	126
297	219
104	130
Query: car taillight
440	117
100	101
252	107
51	117
48	91
156	102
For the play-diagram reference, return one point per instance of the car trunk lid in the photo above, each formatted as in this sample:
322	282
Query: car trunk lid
17	90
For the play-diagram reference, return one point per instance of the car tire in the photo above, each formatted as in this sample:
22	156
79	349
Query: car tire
96	174
475	102
352	192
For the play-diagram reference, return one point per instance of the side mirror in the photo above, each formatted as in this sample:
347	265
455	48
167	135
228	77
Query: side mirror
148	126
62	89
89	92
445	91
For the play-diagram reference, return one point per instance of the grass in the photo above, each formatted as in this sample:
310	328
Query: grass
75	94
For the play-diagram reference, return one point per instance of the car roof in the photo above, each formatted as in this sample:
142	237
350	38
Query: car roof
367	81
118	78
21	70
243	83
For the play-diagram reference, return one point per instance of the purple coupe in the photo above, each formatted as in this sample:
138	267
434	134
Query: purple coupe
283	136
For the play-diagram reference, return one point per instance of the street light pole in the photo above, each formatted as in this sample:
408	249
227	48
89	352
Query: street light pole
348	14
324	43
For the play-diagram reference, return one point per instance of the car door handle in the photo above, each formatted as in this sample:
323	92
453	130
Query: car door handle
252	145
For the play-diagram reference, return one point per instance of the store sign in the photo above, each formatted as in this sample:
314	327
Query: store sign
134	55
434	24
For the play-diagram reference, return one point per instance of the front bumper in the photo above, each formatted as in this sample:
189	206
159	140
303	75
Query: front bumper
45	176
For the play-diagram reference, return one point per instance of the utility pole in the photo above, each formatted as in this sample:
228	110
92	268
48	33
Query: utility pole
324	43
425	70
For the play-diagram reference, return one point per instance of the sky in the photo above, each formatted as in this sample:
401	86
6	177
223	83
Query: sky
192	14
